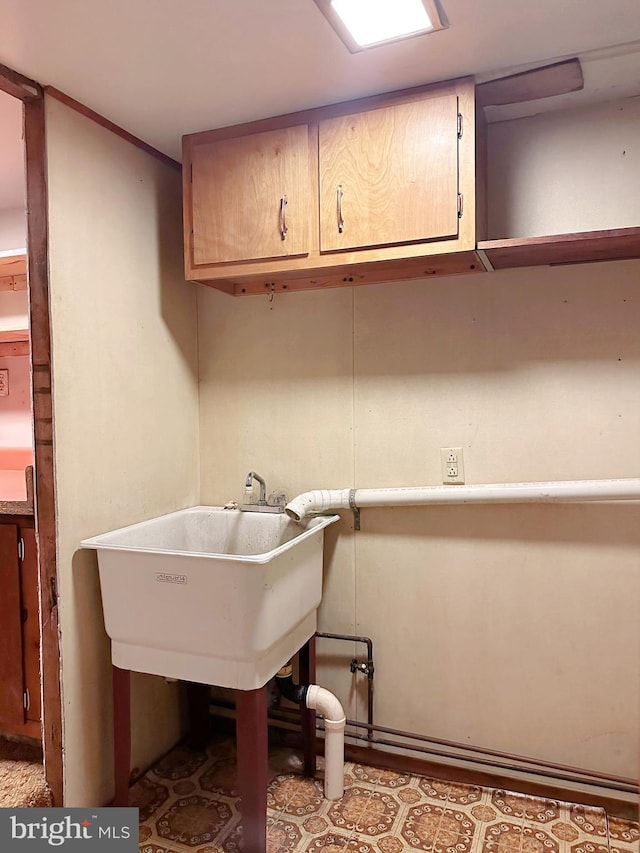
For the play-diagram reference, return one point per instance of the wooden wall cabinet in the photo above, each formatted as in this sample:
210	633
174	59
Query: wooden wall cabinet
371	190
404	185
13	272
13	276
19	629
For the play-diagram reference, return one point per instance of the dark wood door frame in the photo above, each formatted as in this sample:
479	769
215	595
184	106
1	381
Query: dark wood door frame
32	96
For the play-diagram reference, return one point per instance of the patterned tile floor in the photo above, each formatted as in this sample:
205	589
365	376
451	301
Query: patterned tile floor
189	802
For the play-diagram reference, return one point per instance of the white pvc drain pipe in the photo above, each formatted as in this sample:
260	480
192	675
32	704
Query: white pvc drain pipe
321	500
328	705
325	703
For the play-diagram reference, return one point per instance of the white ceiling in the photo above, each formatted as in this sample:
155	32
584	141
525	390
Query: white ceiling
162	68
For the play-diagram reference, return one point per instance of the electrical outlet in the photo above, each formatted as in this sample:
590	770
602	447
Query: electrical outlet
4	383
452	465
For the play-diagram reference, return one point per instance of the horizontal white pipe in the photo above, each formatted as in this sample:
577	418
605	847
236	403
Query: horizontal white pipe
321	500
325	703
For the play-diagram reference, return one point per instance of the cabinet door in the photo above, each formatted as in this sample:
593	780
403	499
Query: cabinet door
30	622
250	197
11	671
390	175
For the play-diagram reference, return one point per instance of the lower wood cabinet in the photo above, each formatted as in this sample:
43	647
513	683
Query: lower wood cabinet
19	629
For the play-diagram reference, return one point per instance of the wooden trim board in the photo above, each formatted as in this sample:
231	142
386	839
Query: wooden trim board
45	511
548	81
12	350
373	756
32	96
18	85
9	336
407	764
456	263
13	265
581	247
87	112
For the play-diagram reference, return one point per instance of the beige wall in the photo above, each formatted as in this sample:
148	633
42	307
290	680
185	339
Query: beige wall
126	410
565	171
14	309
13	229
513	628
15	409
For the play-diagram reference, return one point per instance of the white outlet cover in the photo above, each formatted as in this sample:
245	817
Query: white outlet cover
452	463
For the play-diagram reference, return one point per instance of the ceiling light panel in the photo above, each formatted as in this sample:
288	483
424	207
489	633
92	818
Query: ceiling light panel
368	23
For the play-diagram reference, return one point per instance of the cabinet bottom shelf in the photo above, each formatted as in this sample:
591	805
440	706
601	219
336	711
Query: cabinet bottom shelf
350	275
581	247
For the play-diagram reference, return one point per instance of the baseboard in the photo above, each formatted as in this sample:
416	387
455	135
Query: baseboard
612	804
616	803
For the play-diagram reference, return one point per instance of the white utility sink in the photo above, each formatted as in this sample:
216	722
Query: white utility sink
213	595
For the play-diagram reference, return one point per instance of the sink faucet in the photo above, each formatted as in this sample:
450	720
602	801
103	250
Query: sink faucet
251	476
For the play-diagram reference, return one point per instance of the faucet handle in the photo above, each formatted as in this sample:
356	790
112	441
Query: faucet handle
279	499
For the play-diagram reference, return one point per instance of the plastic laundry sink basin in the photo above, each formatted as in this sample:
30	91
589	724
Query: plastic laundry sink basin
211	595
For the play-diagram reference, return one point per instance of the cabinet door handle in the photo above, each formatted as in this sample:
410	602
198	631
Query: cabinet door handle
339	210
283	217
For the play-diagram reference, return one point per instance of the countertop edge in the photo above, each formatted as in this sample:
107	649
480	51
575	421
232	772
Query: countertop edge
25	507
